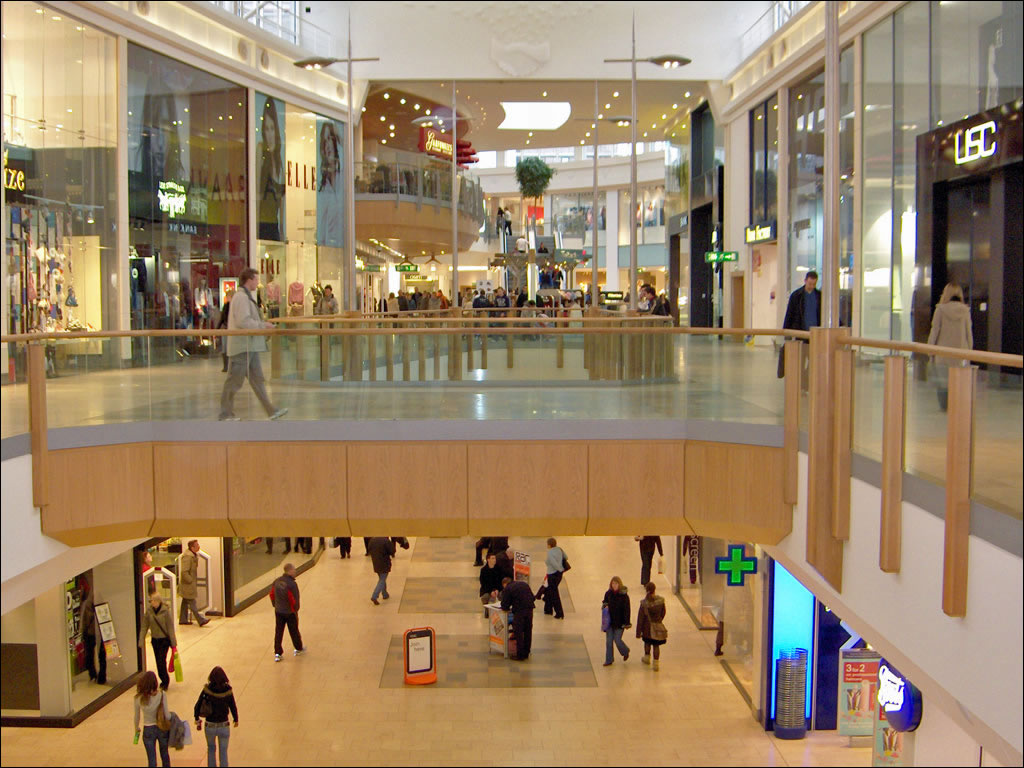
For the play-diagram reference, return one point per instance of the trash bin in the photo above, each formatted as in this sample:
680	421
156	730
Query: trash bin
791	694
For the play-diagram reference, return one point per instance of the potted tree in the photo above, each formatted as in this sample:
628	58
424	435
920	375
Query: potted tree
533	176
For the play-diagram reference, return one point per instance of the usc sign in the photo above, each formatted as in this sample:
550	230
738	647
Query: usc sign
975	143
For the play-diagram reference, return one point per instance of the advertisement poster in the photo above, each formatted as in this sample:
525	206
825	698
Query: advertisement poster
497	622
521	566
270	185
858	676
890	747
330	196
227	284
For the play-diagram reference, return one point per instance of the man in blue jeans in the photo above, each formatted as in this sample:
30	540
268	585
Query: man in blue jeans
381	550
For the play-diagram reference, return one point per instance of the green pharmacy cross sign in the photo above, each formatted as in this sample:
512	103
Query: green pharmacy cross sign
717	257
737	565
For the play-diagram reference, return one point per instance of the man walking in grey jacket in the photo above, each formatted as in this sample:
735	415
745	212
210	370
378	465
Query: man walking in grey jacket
244	351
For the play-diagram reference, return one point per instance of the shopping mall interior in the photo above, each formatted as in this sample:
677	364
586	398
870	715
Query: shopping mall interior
714	310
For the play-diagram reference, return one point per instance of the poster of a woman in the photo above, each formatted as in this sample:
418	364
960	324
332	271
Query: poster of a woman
271	187
329	195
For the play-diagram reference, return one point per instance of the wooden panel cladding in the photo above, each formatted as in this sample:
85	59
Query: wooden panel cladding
37	425
283	489
635	488
842	443
824	551
793	352
407	489
555	474
99	494
190	488
959	460
894	420
736	492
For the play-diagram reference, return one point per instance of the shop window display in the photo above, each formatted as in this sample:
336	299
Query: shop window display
59	139
187	196
300	207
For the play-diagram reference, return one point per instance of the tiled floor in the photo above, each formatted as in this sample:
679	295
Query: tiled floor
457	594
328	707
463	661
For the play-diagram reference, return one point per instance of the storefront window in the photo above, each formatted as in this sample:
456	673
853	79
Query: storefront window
300	206
253	563
59	143
187	195
764	161
96	614
649	215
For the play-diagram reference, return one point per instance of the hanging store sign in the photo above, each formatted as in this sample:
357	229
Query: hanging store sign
717	257
407	268
737	565
759	233
898	698
975	143
171	198
371	268
434	143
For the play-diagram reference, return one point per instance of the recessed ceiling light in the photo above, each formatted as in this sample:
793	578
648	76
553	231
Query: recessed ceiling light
607	106
615	95
401	101
530	134
392	134
416	107
582	142
534	115
686	95
364	109
383	119
545	94
383	141
391	127
775	106
527	141
387	95
645	134
427	112
588	134
654	125
600	115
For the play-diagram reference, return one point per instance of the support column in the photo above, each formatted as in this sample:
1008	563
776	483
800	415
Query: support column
611	241
52	651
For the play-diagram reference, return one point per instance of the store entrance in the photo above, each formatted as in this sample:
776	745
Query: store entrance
702	288
976	254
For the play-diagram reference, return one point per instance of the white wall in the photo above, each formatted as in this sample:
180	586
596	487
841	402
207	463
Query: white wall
970	668
940	741
33	563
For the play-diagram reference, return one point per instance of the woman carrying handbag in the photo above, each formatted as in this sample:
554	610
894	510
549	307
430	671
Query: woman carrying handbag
214	704
151	705
650	626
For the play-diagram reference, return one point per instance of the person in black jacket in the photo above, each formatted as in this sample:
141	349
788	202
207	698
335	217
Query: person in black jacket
497	544
506	563
517	597
803	312
617	602
223	324
647	546
381	549
218	700
490	580
484	542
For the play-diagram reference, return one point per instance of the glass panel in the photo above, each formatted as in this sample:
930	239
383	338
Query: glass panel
758	131
876	299
976	57
910	113
806	163
255	562
847	265
771	165
997	442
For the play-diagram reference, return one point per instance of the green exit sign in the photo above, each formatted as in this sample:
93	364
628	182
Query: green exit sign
373	268
407	268
717	257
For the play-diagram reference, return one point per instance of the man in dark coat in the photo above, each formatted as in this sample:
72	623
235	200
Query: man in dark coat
490	580
803	312
382	549
647	546
506	563
516	596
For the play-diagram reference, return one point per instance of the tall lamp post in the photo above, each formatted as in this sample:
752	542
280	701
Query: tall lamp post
666	62
348	264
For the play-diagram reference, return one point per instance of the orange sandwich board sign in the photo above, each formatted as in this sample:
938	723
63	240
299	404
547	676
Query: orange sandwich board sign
419	651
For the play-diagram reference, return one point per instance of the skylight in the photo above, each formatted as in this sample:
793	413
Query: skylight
534	115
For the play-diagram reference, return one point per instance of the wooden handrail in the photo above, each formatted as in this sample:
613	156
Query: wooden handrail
974	355
521	326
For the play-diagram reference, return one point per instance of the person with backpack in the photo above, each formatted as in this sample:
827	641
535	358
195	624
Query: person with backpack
215	702
284	594
151	707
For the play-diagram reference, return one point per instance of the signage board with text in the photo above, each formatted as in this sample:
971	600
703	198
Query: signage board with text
759	233
718	257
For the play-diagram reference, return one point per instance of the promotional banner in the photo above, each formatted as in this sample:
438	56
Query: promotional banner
521	566
497	630
330	197
858	676
270	187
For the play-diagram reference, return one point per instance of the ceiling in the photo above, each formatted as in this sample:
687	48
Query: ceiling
659	104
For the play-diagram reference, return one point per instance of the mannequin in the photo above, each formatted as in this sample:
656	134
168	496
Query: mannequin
273	293
203	296
296	298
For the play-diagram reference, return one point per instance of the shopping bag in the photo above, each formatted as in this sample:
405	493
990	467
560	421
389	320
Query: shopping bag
606	619
179	674
661	565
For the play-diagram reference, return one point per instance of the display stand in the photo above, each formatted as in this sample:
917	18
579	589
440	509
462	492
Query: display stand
497	625
419	652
